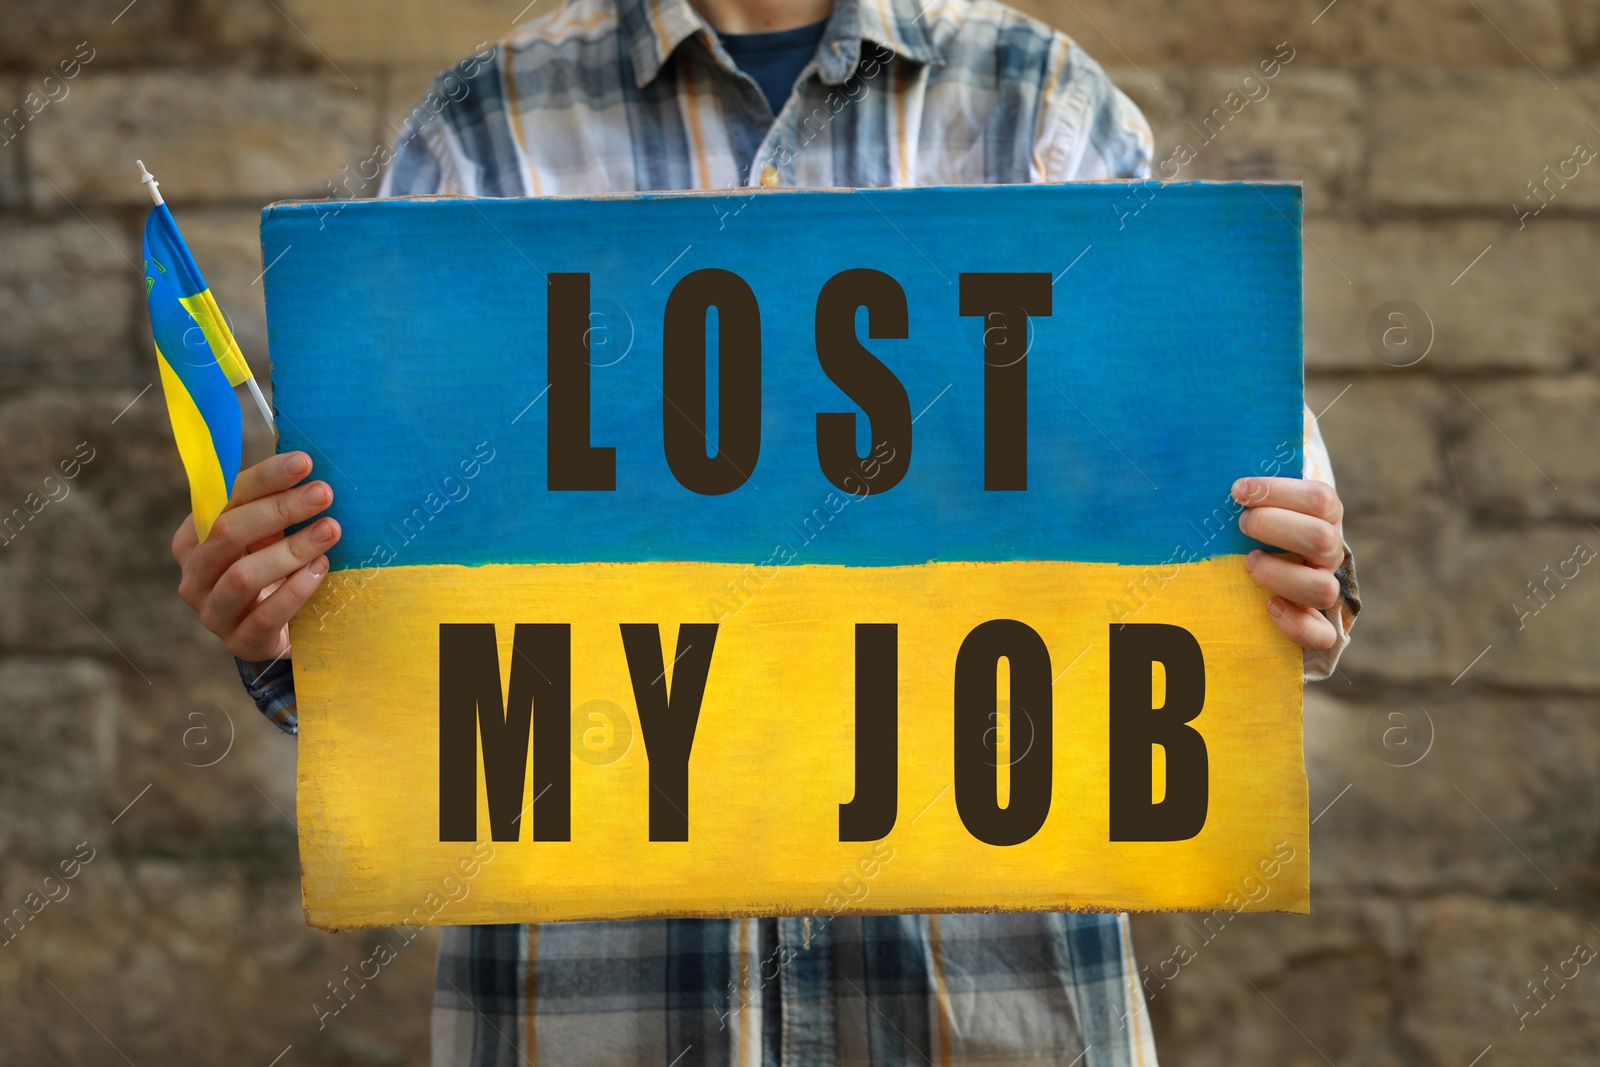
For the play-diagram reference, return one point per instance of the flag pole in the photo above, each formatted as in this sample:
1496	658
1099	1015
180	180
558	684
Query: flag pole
261	403
146	178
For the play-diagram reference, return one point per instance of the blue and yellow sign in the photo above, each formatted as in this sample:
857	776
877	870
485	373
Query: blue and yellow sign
795	552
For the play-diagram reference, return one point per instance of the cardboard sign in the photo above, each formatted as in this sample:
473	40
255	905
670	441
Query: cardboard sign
793	553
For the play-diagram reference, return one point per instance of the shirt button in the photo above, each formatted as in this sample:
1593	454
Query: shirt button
769	175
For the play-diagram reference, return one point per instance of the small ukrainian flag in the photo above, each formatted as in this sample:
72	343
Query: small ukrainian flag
200	364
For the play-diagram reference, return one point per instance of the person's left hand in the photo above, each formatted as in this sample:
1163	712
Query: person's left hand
1300	516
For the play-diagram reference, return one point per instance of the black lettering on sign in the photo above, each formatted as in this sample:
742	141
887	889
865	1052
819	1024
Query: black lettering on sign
1005	301
470	707
976	713
864	379
870	816
1137	726
668	722
683	381
572	463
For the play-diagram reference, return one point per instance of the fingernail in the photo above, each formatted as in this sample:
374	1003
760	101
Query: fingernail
296	463
1251	560
316	494
1274	609
323	531
319	566
1242	490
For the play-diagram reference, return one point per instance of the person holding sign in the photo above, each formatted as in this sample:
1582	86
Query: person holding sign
737	95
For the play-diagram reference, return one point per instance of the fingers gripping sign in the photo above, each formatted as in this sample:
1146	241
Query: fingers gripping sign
249	579
1302	517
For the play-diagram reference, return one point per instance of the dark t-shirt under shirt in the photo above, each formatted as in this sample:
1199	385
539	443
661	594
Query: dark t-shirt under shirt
774	60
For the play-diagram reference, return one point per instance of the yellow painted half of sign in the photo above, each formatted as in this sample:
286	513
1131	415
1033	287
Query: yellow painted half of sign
774	750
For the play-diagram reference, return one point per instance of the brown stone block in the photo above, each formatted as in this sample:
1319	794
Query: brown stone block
1430	130
1527	448
1156	33
1403	632
1384	435
1446	599
221	136
1515	34
408	32
1258	988
40	33
1471	987
68	294
1527	592
90	570
174	958
1491	295
58	728
1443	790
1234	124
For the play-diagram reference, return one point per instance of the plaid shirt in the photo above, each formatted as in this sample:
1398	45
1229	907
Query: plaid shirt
624	95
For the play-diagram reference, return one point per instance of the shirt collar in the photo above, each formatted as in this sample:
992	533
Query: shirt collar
653	30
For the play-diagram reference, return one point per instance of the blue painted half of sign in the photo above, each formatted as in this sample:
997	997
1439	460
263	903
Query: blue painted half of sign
405	334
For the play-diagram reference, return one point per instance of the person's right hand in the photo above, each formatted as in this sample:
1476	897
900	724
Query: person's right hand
248	579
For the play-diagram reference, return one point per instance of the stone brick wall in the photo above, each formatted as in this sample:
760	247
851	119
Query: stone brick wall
1452	761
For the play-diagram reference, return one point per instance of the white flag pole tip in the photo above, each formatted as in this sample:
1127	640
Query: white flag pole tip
146	178
261	402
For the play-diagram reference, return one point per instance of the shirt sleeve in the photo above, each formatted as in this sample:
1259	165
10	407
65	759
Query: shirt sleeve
271	685
429	156
1089	129
1319	665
